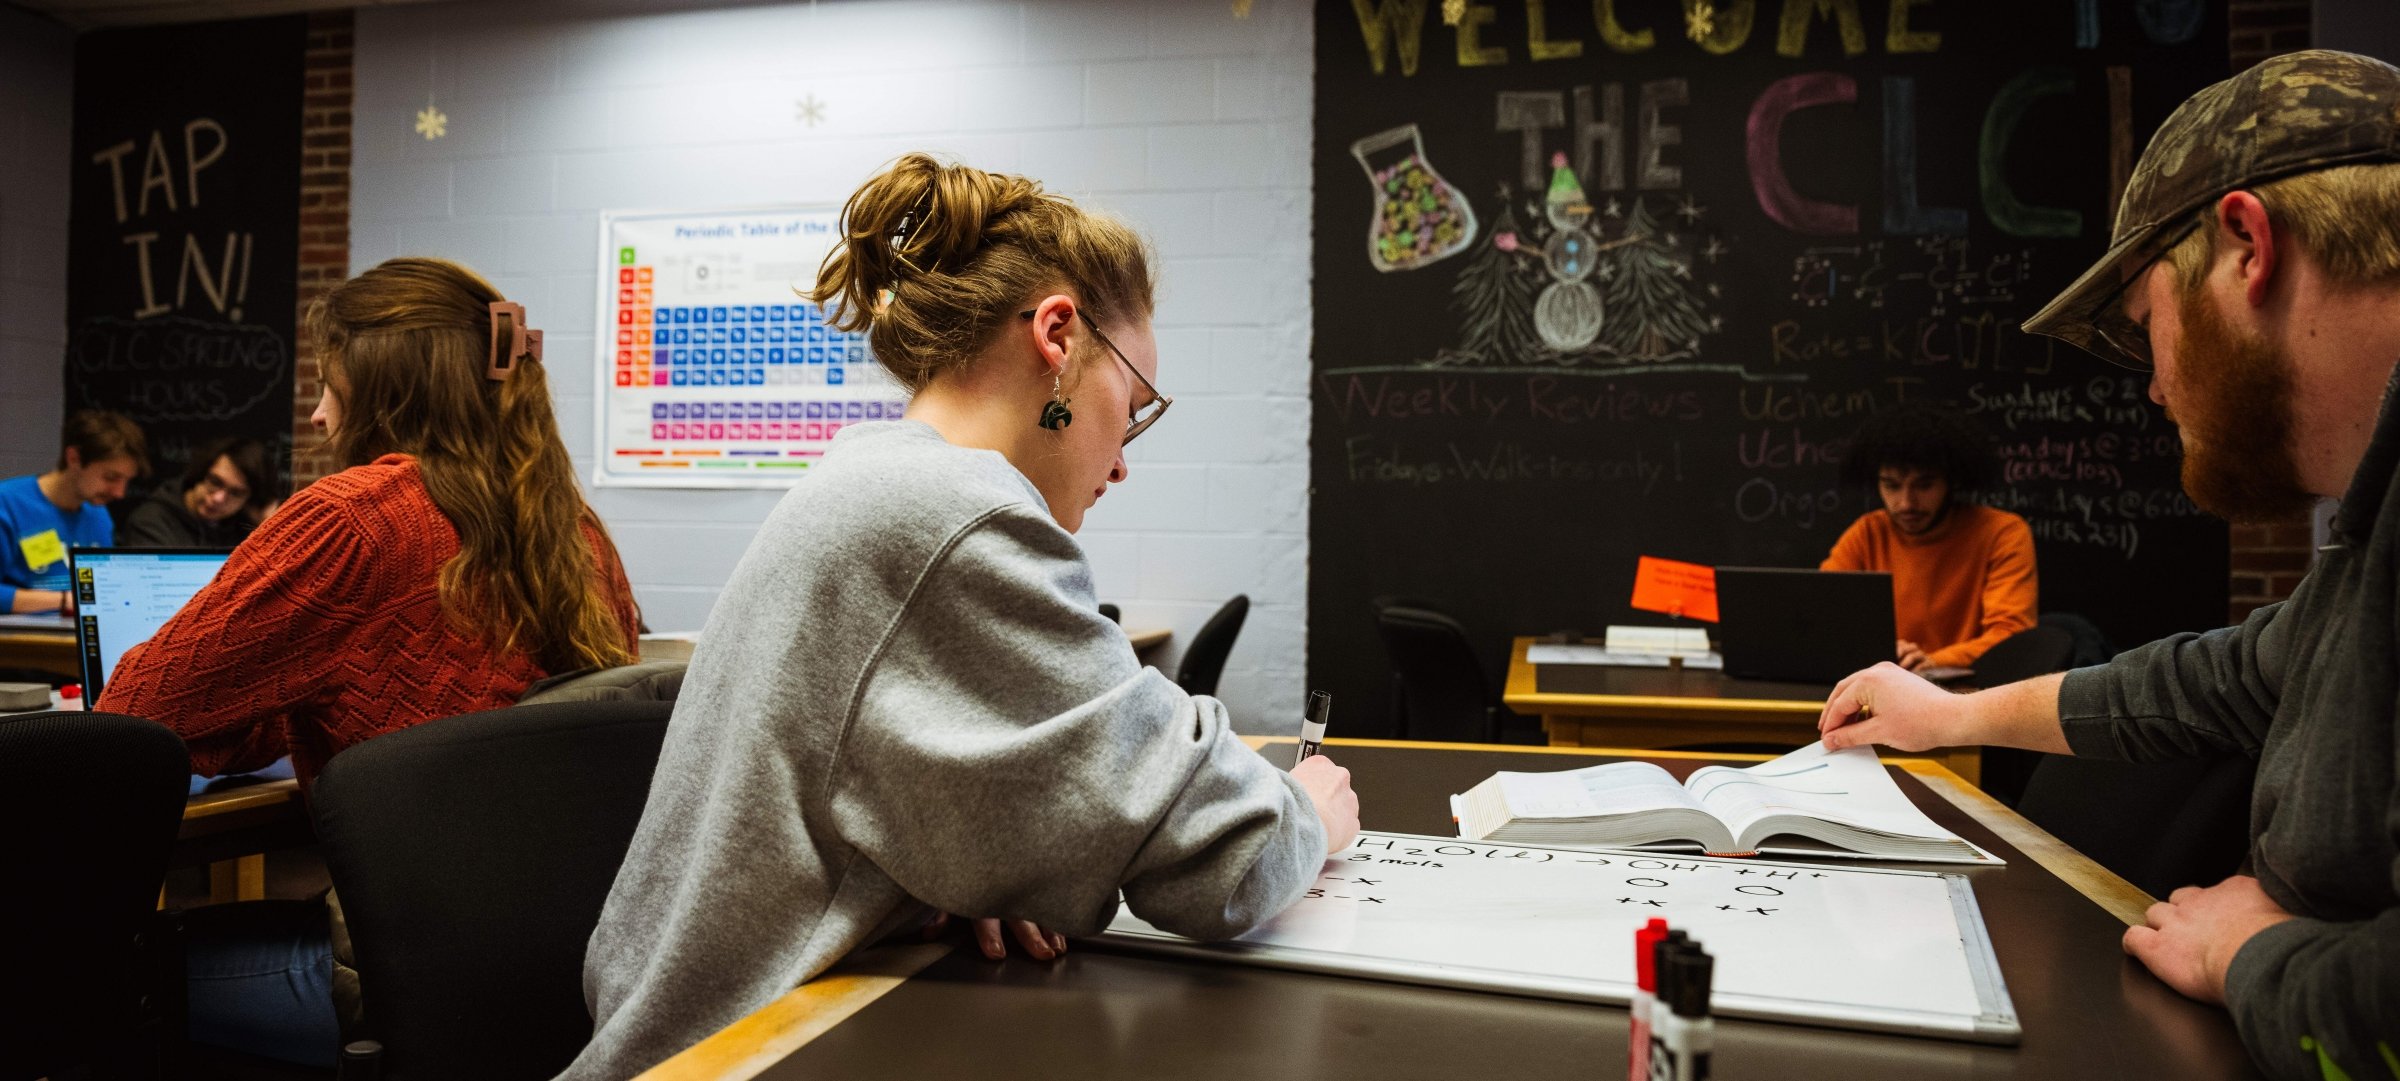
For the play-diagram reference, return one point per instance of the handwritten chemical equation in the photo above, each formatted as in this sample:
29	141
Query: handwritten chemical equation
1647	873
1939	272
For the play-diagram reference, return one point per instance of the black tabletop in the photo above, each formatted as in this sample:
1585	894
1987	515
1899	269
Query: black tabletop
2087	1011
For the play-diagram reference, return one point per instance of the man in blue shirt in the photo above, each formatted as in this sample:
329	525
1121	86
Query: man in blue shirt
42	516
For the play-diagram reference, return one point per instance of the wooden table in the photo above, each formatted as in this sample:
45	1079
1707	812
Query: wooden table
1592	705
940	1011
46	649
232	828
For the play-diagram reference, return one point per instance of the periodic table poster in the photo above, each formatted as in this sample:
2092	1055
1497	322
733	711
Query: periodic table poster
714	372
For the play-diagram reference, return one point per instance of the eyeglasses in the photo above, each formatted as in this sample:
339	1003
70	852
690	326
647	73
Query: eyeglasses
210	482
1148	415
2118	329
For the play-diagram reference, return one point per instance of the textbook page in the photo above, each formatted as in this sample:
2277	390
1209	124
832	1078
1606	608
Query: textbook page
1848	786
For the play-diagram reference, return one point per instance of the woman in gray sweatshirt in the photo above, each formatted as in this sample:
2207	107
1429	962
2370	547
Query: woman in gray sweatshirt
906	702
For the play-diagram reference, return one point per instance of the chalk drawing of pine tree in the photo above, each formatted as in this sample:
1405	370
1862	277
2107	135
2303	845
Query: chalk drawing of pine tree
1494	300
1653	312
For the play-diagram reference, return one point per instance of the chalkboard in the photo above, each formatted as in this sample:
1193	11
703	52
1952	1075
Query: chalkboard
184	230
1882	950
1594	281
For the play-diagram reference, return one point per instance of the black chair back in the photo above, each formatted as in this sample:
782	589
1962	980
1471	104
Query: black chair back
1204	659
1443	693
2035	651
471	856
2159	825
97	799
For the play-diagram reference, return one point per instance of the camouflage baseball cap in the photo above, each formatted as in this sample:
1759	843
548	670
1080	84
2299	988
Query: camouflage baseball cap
2289	114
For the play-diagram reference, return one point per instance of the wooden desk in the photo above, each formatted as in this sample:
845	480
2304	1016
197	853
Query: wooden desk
1589	705
232	829
935	1011
1146	639
42	648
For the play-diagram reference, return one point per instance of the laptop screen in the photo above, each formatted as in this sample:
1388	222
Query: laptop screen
123	595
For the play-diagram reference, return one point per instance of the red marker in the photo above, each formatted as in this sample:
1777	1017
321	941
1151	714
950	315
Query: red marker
1645	993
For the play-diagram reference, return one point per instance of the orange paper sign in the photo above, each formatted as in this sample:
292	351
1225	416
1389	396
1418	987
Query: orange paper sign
1688	590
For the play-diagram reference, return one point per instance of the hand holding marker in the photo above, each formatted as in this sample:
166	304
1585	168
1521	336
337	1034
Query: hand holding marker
1327	785
1312	725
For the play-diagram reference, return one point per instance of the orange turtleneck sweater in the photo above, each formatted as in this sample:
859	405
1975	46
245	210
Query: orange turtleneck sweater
1959	589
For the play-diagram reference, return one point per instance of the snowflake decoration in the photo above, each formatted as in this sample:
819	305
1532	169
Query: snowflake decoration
1716	290
1694	347
809	111
432	124
1690	210
1606	272
1715	322
1614	210
1684	271
1699	21
1714	249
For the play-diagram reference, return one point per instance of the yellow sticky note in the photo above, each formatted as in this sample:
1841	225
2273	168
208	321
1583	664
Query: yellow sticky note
42	549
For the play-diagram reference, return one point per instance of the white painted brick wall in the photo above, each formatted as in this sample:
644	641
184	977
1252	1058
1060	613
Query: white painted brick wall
37	94
1191	124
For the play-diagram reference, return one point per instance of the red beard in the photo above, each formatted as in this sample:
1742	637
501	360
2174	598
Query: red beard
2237	421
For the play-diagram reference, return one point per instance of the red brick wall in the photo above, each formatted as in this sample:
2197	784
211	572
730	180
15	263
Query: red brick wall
2268	560
324	212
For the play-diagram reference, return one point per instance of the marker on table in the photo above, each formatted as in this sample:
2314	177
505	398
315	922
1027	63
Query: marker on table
1682	1034
1645	993
1312	725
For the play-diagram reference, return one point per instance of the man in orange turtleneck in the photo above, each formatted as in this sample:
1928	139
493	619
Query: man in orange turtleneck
1962	573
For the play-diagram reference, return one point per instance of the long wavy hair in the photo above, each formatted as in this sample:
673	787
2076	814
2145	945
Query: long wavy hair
405	347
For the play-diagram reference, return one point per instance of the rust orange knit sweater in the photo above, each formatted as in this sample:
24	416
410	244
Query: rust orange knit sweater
325	629
1957	591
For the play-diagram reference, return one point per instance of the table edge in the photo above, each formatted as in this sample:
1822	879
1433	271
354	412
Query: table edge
227	801
1519	692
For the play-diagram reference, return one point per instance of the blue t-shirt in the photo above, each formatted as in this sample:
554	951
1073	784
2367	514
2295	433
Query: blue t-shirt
29	521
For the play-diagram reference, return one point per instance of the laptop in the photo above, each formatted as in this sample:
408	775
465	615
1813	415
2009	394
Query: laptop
1805	626
123	595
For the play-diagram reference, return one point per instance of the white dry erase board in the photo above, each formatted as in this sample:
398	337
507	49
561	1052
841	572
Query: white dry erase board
1848	947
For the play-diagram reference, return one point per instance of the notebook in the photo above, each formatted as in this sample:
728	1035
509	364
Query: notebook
1803	625
123	595
1811	802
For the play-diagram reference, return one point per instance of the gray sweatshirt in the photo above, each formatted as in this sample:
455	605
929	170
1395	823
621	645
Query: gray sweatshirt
906	697
2308	687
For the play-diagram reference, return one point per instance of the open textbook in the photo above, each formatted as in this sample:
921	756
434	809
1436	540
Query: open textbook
1811	802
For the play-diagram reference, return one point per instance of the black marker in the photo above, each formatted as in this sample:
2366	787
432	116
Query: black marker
1682	1034
1312	725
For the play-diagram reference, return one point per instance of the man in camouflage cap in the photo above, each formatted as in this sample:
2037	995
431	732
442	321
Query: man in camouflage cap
2255	271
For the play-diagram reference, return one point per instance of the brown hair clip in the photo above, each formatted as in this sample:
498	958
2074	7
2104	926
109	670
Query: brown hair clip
511	340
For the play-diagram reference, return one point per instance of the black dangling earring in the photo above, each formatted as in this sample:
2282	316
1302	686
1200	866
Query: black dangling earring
1056	415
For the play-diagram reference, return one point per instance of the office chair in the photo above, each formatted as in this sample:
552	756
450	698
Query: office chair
1439	689
2159	825
472	856
1204	659
94	973
2035	651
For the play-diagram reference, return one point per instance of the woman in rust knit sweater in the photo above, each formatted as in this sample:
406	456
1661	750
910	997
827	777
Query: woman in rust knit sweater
449	565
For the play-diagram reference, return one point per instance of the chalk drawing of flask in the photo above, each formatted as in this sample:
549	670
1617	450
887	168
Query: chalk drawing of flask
1419	218
1568	313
